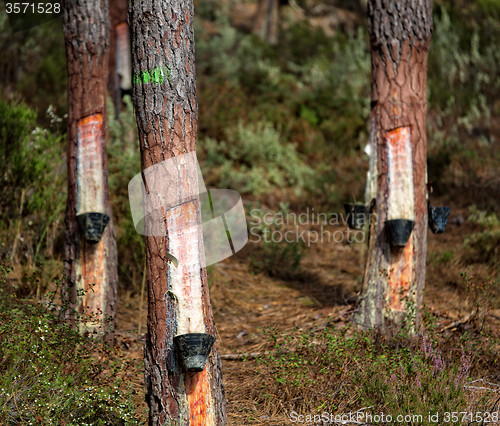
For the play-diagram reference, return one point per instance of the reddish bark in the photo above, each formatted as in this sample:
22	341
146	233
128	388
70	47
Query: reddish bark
86	29
400	33
167	112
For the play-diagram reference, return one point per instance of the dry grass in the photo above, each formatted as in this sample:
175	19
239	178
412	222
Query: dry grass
245	303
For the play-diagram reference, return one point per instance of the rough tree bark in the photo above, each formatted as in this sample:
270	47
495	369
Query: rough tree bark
400	34
90	267
164	97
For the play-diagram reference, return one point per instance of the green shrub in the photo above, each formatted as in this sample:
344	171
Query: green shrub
417	382
33	191
445	257
360	369
276	256
483	246
50	374
33	65
254	160
468	61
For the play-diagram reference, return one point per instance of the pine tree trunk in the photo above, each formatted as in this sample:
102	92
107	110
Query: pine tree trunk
90	267
400	33
167	113
119	53
266	23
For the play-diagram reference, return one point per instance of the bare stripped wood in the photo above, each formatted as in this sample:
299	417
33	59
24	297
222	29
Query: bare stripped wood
401	199
94	280
400	206
200	402
90	176
86	31
401	275
184	231
117	16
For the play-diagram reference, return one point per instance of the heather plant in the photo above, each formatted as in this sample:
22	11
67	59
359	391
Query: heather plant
479	334
307	370
419	382
315	371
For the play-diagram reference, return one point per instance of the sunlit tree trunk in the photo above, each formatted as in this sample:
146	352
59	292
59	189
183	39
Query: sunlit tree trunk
91	267
400	34
164	97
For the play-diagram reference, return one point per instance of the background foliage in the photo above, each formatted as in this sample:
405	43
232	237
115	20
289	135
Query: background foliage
286	126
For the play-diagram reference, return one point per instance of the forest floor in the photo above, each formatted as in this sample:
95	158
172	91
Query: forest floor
322	294
245	303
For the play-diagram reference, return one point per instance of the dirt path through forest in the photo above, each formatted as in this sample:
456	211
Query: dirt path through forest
246	303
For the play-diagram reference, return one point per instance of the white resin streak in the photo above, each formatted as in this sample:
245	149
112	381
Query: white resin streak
401	200
371	177
185	279
372	174
89	179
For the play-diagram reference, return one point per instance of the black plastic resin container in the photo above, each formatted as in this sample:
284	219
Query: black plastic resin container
357	215
194	349
438	218
92	225
399	231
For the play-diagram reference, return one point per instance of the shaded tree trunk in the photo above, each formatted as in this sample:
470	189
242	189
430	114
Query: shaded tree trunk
164	96
400	34
119	81
89	267
267	20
